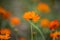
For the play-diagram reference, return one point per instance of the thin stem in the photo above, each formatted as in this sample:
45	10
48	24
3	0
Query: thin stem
36	36
37	29
31	33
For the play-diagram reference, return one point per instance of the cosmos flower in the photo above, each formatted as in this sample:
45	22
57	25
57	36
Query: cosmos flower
22	38
5	34
31	16
44	22
55	35
43	7
7	15
14	20
2	10
54	25
4	13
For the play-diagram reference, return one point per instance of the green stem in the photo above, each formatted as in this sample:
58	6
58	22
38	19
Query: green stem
31	33
36	36
38	30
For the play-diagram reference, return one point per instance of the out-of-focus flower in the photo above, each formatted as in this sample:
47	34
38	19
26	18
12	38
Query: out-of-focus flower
22	38
36	18
14	20
5	34
4	13
54	25
43	7
31	16
2	10
44	22
55	35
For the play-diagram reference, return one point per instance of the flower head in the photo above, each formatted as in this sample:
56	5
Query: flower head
4	14
55	35
14	20
43	7
54	25
31	16
3	31
36	18
2	10
7	15
5	34
44	22
22	38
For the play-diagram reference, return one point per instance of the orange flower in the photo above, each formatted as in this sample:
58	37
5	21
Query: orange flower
43	7
2	10
4	13
55	35
44	22
54	25
31	16
36	18
5	34
22	38
14	21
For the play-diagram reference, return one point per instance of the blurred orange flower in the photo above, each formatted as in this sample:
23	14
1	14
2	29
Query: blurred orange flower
43	7
54	24
7	15
55	35
22	38
36	18
44	22
2	10
5	34
14	20
4	13
31	16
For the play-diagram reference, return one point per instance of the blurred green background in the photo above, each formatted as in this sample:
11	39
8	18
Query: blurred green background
18	7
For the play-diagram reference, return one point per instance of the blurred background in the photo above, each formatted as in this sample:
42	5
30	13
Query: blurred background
18	7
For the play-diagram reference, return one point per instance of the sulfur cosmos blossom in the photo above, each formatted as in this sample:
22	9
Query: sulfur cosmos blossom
4	14
34	33
7	15
55	35
44	22
43	7
5	34
31	16
22	38
14	20
2	10
54	25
